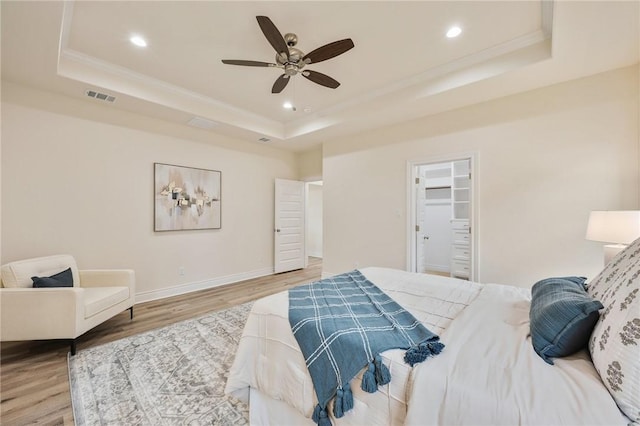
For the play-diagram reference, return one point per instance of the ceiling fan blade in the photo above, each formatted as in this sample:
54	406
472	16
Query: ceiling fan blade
273	35
280	83
247	63
328	51
321	79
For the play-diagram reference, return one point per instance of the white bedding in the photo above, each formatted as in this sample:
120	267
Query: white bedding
487	374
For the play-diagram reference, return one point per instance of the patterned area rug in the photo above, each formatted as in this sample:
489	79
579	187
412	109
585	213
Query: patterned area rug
170	376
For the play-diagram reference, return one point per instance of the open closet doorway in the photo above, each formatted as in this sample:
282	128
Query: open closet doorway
314	219
441	217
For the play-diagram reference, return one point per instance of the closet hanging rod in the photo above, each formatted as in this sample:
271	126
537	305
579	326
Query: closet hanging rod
438	187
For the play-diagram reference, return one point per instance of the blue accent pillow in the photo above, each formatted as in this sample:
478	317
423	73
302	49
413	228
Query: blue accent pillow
61	279
562	316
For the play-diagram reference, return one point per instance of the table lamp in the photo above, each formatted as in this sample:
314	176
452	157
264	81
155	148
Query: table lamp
618	227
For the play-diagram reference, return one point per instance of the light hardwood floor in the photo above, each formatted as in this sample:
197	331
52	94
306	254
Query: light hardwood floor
34	383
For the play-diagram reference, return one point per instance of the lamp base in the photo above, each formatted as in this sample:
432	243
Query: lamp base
610	251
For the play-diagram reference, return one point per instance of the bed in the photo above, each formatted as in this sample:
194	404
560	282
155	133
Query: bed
489	372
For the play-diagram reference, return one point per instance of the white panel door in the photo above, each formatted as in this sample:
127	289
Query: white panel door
289	226
437	240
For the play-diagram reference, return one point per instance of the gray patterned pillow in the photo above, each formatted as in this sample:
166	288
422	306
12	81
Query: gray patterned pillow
615	341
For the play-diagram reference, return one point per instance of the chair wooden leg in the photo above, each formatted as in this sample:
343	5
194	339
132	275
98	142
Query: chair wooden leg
131	312
73	346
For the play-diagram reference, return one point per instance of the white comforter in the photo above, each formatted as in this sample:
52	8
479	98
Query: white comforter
487	374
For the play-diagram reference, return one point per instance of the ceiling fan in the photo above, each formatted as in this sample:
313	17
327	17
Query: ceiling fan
292	60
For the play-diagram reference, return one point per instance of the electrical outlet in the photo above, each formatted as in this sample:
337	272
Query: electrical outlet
181	271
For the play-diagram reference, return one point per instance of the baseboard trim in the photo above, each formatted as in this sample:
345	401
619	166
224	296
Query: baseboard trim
148	296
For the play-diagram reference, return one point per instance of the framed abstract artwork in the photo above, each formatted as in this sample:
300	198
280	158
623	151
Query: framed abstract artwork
186	198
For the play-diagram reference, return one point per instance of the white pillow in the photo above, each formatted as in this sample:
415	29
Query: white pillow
615	341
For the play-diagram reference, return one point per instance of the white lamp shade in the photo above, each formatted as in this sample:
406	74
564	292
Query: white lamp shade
620	227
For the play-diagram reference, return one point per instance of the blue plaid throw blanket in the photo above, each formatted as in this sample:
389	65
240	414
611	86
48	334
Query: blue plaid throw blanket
342	324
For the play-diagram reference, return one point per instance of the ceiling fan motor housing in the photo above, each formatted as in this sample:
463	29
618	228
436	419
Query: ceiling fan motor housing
294	62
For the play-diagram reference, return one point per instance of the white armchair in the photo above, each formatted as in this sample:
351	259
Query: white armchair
28	313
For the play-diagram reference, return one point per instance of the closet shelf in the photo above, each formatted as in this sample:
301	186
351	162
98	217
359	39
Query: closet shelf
438	202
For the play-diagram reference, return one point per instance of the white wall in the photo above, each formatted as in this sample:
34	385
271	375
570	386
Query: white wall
314	219
78	186
546	158
310	164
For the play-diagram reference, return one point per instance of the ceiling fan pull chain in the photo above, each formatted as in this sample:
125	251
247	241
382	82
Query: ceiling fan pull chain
295	85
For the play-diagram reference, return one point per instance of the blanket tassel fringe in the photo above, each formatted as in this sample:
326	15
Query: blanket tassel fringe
369	379
383	376
422	351
343	401
320	416
377	374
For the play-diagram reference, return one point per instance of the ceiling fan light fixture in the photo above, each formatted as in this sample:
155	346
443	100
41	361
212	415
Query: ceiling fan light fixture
454	32
291	69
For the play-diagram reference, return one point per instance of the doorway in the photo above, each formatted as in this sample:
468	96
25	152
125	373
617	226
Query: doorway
298	224
289	229
441	217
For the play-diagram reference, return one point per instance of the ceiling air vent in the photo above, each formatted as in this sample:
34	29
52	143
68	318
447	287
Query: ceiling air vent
202	123
264	140
100	96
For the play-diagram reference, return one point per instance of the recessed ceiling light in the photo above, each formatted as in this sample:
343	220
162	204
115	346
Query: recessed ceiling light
454	31
138	41
287	105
